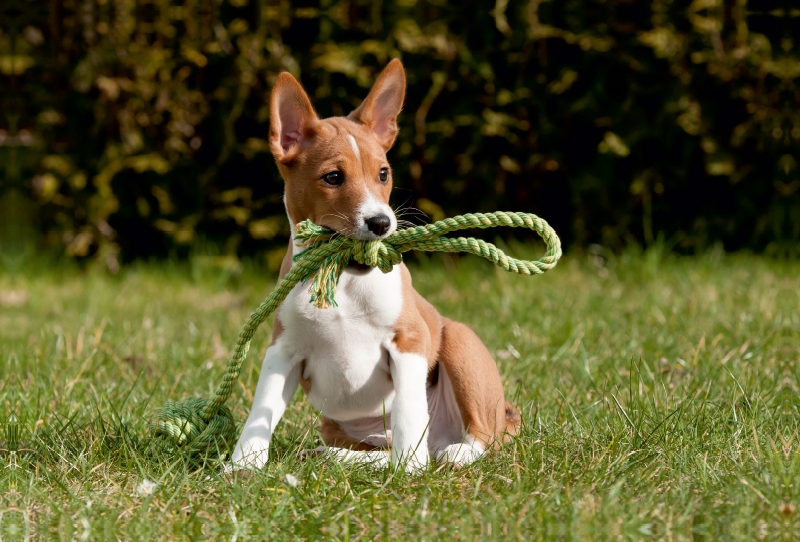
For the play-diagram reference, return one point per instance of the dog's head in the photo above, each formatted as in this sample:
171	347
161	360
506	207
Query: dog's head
335	169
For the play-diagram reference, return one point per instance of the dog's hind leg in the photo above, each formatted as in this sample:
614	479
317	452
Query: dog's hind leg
448	441
486	418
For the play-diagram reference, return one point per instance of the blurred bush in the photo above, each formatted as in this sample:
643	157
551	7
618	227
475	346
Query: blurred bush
137	128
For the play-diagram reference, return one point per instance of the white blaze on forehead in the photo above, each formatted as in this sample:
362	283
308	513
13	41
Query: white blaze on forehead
353	145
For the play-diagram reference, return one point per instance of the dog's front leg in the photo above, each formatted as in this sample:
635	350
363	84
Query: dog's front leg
277	383
409	410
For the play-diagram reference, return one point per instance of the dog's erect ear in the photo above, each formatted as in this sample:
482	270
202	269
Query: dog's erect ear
292	119
378	112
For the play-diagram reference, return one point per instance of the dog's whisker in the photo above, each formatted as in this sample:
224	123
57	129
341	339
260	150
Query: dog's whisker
413	210
405	224
400	210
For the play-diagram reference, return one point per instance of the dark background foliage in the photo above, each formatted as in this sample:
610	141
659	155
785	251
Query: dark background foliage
134	128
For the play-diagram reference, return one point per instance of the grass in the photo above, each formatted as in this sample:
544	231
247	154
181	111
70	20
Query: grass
659	397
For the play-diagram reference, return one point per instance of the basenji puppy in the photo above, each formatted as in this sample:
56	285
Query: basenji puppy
383	367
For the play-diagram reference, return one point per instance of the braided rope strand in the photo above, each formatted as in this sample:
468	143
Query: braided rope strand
205	426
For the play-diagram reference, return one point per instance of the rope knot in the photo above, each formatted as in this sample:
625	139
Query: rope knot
181	424
376	253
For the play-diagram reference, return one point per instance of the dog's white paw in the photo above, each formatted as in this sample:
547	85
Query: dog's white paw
460	454
412	463
251	453
234	471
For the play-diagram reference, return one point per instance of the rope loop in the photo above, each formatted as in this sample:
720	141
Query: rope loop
203	427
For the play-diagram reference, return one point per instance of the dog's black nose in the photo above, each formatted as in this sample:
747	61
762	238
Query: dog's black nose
379	224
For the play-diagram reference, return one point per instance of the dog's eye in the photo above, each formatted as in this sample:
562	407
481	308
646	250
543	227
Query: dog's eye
383	175
334	178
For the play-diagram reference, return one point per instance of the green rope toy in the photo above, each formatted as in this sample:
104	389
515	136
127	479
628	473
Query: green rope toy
202	426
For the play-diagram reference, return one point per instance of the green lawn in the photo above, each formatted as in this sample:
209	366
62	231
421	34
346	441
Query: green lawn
659	397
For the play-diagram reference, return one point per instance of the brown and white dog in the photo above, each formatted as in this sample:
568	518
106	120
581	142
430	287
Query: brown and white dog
384	368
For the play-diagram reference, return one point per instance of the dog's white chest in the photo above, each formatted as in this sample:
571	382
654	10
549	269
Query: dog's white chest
343	348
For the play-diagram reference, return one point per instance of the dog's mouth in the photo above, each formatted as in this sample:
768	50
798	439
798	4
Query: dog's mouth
353	266
358	267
